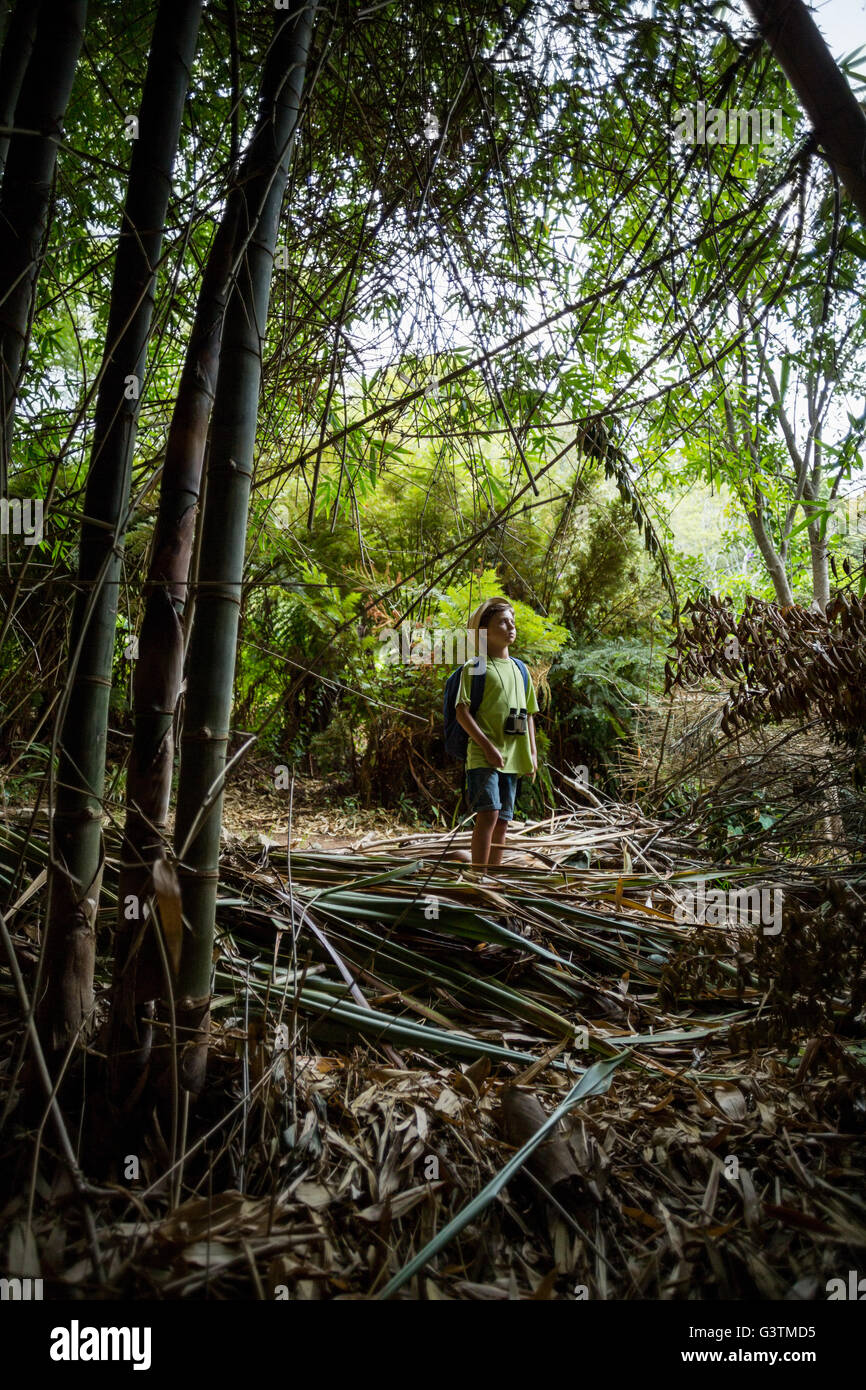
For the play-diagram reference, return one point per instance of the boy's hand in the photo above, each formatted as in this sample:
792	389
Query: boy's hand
493	755
534	757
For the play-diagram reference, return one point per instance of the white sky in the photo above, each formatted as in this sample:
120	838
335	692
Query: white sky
843	24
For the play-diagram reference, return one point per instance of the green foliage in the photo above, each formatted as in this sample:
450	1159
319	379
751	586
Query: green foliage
595	690
290	669
571	563
393	483
537	636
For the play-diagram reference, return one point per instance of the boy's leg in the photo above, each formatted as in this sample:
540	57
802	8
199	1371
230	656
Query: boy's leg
507	790
483	785
482	834
500	830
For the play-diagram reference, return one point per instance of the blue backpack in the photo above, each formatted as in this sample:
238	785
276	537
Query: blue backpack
456	737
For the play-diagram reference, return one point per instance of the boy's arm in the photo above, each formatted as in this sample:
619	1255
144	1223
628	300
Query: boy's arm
530	728
490	751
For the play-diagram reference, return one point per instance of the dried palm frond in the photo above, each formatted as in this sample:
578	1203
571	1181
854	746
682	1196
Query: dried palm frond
785	662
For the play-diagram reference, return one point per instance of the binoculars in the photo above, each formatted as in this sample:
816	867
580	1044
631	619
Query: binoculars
516	722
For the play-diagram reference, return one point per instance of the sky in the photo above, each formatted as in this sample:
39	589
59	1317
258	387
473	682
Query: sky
843	24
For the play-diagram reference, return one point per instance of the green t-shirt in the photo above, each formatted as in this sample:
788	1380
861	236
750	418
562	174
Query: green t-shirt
503	690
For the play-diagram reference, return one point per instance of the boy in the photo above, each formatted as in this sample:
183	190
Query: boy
496	758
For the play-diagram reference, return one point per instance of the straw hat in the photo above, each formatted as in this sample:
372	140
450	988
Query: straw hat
498	601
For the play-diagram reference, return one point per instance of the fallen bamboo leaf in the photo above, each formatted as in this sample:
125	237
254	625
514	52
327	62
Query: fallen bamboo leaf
593	1082
522	1116
167	888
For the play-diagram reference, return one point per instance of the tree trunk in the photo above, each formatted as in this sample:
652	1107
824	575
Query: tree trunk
17	47
819	556
28	179
76	860
818	550
138	971
771	557
840	125
211	660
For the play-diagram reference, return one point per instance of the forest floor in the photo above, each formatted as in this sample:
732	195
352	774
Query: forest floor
320	817
390	1029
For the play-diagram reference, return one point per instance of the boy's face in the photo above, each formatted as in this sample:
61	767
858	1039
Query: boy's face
501	629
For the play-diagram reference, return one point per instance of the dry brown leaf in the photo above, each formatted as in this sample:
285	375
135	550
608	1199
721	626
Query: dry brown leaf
312	1194
399	1204
730	1100
167	888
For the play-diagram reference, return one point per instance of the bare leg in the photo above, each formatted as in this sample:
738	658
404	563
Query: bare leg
482	834
497	843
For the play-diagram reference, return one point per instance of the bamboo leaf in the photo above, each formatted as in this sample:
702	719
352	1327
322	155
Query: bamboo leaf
167	887
594	1082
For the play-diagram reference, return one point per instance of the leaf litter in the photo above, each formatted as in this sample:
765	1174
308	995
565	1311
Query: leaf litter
390	1032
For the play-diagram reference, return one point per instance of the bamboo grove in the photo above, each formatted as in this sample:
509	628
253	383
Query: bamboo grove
270	178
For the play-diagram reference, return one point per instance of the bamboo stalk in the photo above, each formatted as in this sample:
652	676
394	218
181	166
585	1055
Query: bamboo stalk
798	46
213	643
29	177
159	669
81	733
17	48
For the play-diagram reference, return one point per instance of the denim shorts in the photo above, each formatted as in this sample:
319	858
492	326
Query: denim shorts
491	790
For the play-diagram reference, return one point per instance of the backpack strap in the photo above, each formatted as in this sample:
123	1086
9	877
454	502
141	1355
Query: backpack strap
476	693
524	671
